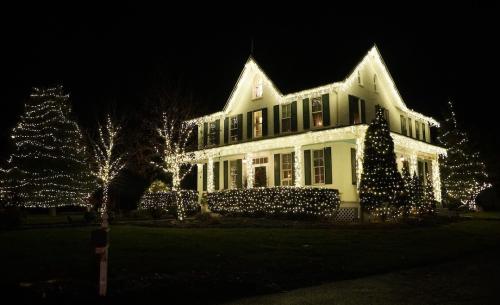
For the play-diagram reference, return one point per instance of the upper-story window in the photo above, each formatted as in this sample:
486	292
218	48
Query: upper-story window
258	88
375	82
212	133
356	110
257	124
423	131
317	112
410	127
386	114
233	128
403	126
360	79
286	118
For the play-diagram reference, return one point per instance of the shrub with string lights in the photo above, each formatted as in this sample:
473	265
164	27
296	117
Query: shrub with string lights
169	201
48	167
275	201
463	174
381	189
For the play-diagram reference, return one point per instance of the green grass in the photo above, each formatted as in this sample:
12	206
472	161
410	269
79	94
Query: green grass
483	215
41	219
219	264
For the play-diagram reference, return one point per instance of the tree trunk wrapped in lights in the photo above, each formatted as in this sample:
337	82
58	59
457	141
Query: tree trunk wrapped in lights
463	174
107	163
48	168
175	159
381	188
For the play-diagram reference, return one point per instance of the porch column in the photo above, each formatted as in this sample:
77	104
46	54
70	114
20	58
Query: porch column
210	175
298	165
436	180
413	164
250	172
360	147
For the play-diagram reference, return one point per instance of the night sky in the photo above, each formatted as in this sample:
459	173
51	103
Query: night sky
119	55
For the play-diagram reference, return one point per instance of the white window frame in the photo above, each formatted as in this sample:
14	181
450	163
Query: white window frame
257	132
233	174
320	167
285	179
258	88
212	134
286	116
233	131
320	112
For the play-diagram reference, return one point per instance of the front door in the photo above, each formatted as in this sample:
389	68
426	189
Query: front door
260	177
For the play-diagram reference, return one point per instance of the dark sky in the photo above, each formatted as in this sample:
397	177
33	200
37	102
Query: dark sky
119	54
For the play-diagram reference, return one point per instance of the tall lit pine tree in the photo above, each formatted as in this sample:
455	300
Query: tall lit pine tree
381	188
49	165
463	174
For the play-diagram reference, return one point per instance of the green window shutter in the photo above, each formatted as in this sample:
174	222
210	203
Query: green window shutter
226	172
293	168
307	167
240	127
249	125
205	133
226	130
239	173
325	99
276	115
217	132
204	177
363	114
264	122
294	115
277	170
353	106
305	112
328	165
216	176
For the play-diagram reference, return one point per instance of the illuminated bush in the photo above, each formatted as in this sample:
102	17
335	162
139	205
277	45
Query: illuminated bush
166	201
275	201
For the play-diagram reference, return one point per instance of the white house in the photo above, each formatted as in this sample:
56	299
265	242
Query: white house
264	138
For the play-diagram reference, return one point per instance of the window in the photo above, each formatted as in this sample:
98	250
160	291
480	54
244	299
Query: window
354	176
317	112
286	118
233	129
403	126
257	124
375	82
258	89
417	129
385	112
319	166
360	80
356	110
261	160
286	169
233	173
212	133
410	127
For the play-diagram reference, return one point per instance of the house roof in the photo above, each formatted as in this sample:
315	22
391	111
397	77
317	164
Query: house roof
372	56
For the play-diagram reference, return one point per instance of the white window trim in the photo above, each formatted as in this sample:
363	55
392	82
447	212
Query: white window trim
254	125
209	136
231	129
313	112
282	170
322	166
289	117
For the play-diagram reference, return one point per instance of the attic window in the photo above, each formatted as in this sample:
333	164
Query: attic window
258	88
375	82
360	80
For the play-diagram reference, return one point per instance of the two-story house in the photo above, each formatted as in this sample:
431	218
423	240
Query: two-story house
264	138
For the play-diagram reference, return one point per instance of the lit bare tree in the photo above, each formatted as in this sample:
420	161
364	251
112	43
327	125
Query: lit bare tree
107	163
175	154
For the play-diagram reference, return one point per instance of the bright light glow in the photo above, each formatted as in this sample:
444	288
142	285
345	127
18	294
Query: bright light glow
297	163
250	170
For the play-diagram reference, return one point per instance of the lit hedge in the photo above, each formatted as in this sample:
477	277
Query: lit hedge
275	201
167	201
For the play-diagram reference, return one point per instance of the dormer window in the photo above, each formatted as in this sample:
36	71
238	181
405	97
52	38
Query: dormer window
258	88
375	82
360	80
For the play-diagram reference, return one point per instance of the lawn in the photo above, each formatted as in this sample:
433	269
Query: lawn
214	265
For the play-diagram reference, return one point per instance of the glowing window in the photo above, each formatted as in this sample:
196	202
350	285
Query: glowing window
317	112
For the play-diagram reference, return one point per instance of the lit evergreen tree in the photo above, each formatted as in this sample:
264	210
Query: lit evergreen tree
49	167
409	189
428	202
463	174
381	188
